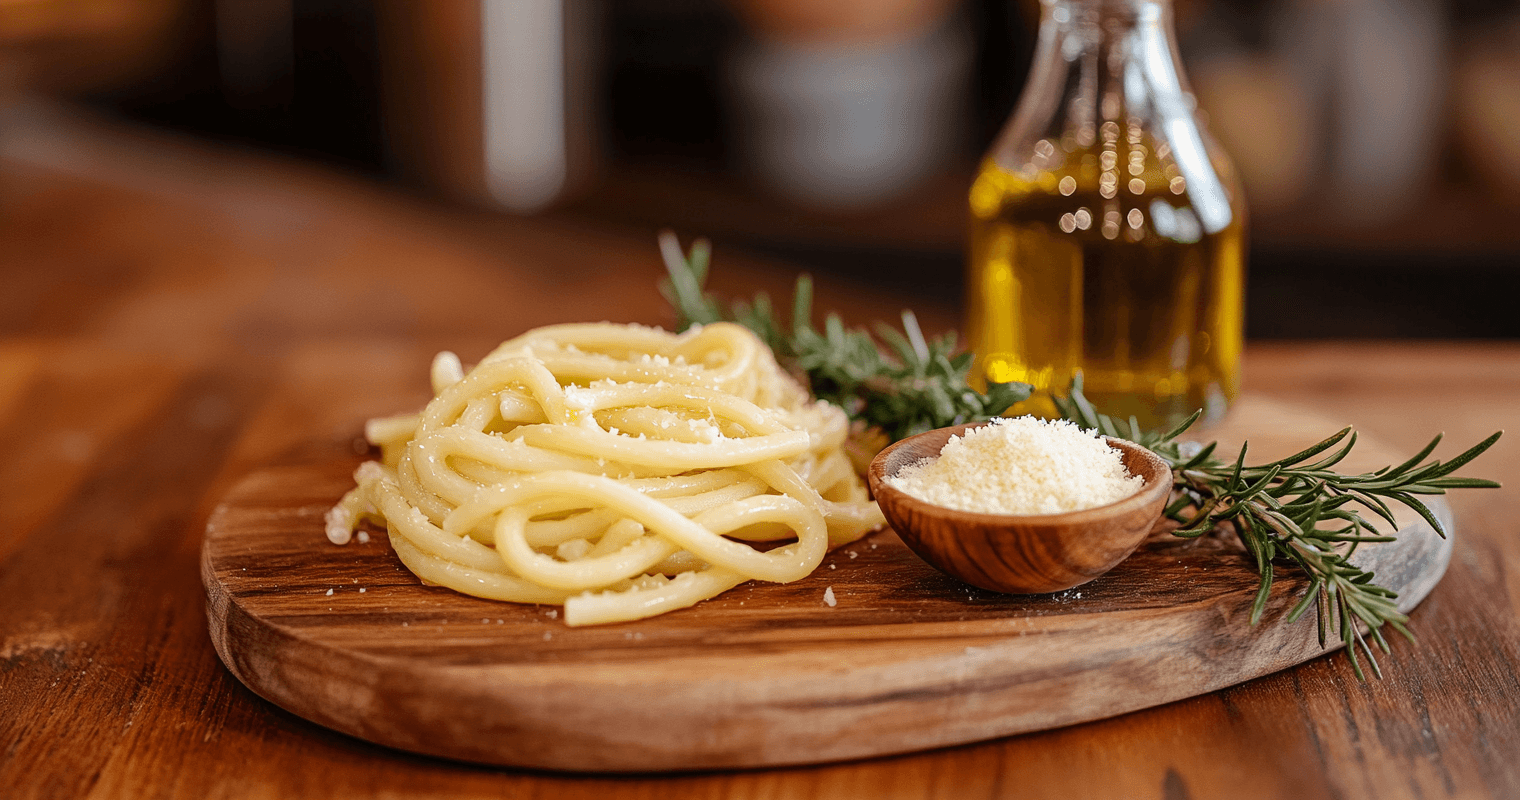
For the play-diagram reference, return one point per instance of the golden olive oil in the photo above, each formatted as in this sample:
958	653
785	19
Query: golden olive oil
1100	263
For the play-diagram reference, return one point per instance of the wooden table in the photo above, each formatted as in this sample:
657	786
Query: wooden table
159	298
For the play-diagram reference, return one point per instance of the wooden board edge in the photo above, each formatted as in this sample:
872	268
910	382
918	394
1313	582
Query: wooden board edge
988	701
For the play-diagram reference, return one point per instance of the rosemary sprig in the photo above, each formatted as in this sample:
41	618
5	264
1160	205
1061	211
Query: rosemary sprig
1296	512
919	384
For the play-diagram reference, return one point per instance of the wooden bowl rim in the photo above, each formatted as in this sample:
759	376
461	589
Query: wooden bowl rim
876	477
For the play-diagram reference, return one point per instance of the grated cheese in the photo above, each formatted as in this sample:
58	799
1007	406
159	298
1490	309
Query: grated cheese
1021	466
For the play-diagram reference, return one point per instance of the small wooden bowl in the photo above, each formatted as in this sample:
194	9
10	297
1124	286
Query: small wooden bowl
1020	554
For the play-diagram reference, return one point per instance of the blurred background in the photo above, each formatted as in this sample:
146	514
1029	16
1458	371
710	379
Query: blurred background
1379	140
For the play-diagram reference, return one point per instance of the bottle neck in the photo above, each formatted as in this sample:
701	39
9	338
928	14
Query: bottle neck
1102	61
1106	78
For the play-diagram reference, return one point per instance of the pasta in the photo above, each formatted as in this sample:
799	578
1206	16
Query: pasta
622	471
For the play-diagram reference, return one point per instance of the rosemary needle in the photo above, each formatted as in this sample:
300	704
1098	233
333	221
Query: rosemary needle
1295	511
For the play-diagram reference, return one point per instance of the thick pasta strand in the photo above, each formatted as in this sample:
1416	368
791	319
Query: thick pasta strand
620	470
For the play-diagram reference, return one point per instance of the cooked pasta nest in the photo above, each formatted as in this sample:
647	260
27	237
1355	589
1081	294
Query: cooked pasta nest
619	470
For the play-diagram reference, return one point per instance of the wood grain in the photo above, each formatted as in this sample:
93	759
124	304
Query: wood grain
766	675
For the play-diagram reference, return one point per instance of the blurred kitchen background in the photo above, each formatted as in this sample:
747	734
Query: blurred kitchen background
1379	140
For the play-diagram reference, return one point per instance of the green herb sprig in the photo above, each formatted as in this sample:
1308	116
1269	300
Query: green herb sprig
919	384
1296	512
1299	511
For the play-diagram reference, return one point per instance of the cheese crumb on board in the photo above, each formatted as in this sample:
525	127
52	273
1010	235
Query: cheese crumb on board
1022	466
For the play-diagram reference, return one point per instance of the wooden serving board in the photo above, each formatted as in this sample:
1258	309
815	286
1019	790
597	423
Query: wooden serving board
764	675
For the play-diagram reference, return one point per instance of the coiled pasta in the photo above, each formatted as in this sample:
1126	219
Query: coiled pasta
620	470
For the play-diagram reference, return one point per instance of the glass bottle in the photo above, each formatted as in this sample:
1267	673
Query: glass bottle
1107	228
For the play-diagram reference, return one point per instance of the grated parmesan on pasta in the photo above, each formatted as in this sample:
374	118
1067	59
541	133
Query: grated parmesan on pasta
1021	466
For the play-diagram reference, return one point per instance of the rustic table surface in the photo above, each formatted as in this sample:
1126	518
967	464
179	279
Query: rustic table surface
159	298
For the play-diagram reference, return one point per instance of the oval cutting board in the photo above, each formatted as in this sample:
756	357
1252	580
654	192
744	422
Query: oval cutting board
764	675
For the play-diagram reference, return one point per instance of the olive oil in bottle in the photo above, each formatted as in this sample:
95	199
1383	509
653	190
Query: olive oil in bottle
1107	235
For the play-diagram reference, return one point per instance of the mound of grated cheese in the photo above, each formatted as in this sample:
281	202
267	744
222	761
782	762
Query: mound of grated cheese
1021	466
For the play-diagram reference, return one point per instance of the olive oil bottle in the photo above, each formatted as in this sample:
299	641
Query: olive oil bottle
1107	229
